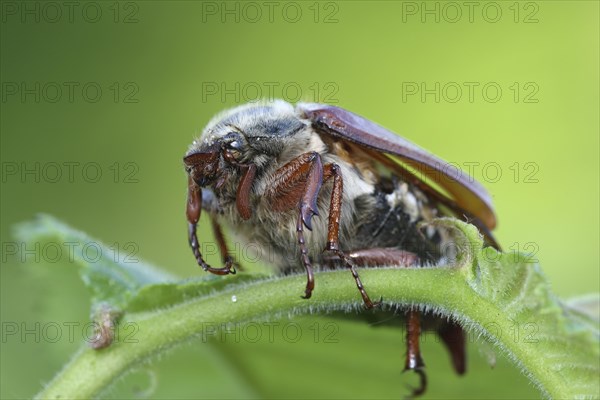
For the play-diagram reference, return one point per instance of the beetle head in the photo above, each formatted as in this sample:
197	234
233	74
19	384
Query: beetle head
210	161
261	134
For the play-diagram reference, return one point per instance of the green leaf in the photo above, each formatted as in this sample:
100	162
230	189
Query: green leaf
555	342
110	279
502	296
586	310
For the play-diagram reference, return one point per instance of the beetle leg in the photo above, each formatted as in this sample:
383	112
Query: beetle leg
298	183
243	190
396	257
378	257
308	208
193	211
223	248
308	169
310	276
383	256
210	204
414	362
453	336
333	228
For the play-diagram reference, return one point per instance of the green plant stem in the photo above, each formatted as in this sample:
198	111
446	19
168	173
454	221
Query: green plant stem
442	289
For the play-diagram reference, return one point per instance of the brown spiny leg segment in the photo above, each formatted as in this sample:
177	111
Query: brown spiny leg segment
378	256
401	258
333	228
245	187
310	276
243	191
453	336
193	210
414	362
223	249
297	183
308	208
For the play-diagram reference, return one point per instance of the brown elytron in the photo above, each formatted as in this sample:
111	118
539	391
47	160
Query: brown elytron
268	169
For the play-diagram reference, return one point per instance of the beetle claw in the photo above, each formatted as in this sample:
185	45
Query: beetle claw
418	391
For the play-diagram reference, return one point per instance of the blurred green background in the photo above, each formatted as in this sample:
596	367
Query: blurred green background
164	68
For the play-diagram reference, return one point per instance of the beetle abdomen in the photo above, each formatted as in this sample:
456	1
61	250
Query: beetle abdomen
394	222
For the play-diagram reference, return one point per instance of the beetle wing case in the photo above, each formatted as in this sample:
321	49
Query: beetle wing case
466	192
